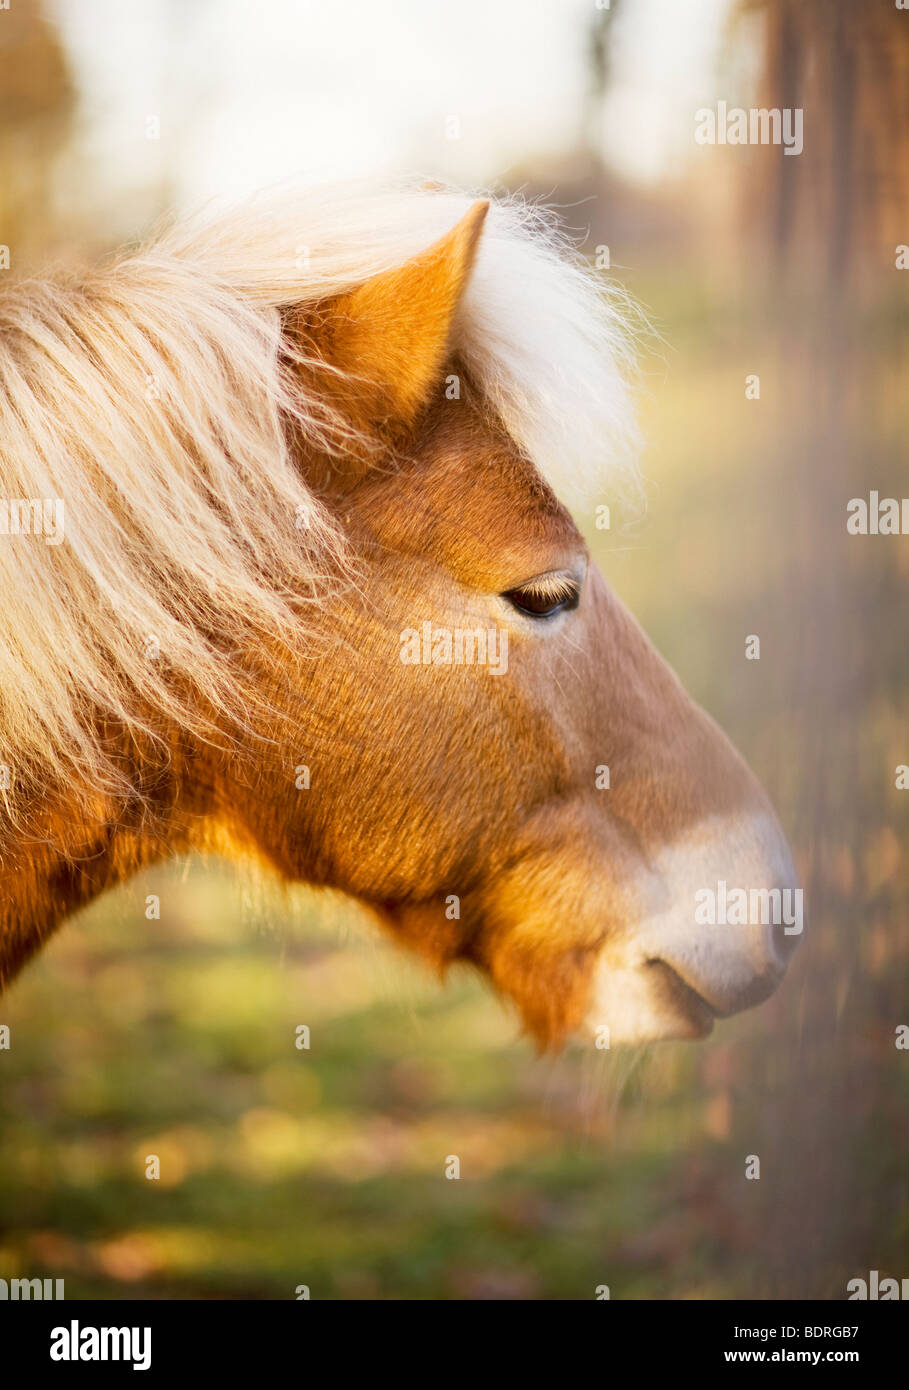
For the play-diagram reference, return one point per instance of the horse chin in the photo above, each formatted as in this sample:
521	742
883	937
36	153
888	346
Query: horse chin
646	1003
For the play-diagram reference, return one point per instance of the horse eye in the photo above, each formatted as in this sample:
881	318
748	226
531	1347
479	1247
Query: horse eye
543	598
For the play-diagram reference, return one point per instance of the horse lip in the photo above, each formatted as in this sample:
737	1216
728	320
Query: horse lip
697	1011
760	988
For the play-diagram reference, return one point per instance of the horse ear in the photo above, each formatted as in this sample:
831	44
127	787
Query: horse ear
389	336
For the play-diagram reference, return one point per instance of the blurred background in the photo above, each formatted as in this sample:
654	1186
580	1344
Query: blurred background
176	1037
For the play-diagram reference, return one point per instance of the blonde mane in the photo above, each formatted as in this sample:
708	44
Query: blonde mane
153	398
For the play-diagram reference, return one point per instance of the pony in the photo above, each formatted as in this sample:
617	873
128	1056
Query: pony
305	463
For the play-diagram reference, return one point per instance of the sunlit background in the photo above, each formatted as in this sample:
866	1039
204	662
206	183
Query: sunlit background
176	1037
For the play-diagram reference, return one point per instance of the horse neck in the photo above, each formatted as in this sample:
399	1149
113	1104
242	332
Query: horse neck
62	853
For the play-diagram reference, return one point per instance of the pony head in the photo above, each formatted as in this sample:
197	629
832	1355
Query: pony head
322	597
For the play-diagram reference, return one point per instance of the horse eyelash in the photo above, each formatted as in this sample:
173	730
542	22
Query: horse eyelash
556	588
553	592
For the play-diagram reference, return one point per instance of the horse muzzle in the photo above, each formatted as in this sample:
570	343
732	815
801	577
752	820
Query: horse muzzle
721	913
